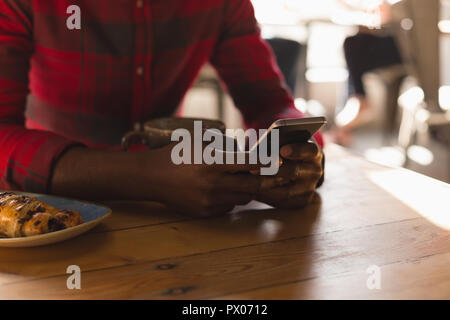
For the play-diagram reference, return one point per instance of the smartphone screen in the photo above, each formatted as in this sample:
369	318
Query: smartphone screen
292	131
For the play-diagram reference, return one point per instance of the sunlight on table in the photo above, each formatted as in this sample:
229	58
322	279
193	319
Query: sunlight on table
428	197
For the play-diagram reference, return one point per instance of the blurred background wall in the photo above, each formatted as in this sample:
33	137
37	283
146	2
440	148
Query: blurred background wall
321	26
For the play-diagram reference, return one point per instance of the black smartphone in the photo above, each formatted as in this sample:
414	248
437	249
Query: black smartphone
292	131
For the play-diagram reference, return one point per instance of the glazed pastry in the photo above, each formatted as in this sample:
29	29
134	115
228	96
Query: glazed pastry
22	216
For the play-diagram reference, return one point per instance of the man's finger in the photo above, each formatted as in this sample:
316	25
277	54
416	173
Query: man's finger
300	151
288	192
238	161
285	197
245	183
294	170
287	187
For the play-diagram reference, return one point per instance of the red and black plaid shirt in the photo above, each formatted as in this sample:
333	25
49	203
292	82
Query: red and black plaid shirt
132	60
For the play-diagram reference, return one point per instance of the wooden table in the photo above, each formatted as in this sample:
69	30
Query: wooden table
365	216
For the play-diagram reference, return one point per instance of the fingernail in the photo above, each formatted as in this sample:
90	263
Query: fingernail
286	151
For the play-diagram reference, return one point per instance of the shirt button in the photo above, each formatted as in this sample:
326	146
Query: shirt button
140	71
140	3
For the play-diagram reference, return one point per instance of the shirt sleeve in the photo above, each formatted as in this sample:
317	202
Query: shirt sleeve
247	65
26	156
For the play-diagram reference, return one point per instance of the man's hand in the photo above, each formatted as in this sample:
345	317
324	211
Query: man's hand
298	177
199	189
191	189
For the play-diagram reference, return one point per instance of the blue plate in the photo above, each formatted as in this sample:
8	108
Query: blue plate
92	215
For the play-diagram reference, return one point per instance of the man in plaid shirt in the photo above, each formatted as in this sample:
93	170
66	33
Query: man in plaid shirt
67	96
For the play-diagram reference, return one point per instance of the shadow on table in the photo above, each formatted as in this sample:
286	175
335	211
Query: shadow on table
265	247
50	259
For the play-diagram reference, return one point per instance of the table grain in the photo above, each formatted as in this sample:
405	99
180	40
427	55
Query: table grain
365	216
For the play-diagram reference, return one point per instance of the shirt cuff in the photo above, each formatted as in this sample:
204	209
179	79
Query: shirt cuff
30	166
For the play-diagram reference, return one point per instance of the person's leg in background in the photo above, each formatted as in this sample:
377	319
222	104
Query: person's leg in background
363	52
287	53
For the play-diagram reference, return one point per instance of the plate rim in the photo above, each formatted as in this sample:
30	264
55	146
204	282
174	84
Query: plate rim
56	233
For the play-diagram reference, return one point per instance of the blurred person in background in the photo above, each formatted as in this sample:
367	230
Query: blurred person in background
371	48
